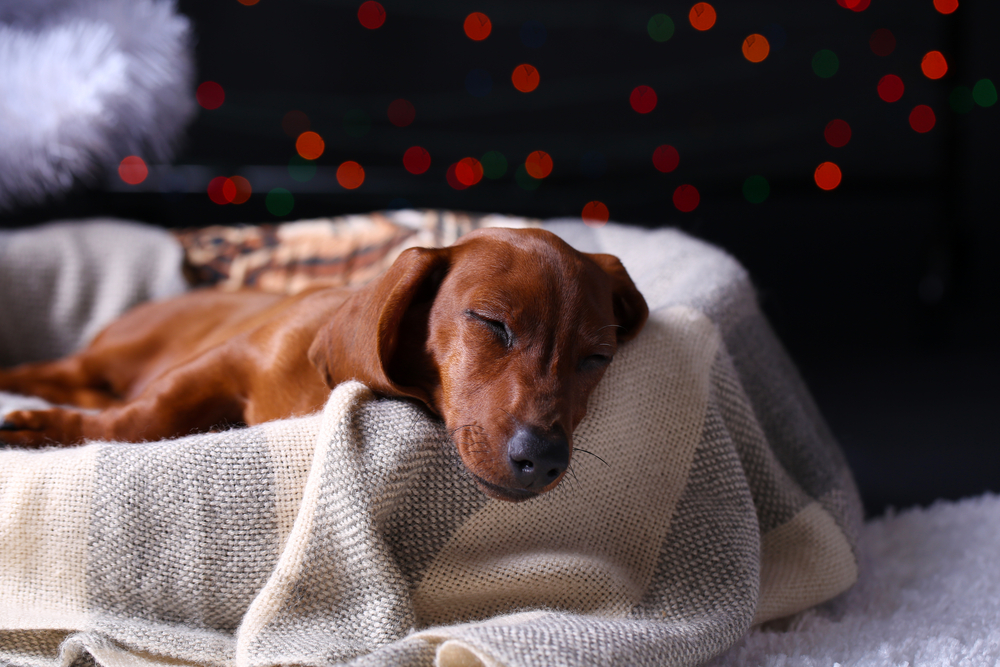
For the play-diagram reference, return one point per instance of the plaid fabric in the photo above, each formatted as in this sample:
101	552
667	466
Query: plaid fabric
719	500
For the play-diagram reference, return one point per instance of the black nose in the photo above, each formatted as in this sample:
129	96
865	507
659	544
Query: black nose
537	458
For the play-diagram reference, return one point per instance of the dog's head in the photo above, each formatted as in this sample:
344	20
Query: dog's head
504	335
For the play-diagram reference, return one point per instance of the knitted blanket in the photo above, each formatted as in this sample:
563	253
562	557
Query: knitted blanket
714	499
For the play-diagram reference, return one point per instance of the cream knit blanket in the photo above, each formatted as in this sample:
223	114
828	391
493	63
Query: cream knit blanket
353	537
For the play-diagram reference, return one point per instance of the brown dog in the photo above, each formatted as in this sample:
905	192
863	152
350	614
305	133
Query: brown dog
503	334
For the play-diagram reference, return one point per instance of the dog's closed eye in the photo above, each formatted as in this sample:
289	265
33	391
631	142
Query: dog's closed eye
498	328
593	362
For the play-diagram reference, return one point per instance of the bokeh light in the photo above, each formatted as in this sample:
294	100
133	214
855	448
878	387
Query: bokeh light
533	34
984	93
357	123
401	112
854	5
756	48
827	176
837	133
468	171
243	189
702	16
961	100
643	99
221	190
686	198
279	202
479	83
882	42
666	158
825	63
301	169
310	145
593	164
133	170
295	123
538	164
890	88
210	95
371	14
416	160
525	180
661	28
595	214
477	26
350	175
494	165
525	78
946	6
756	189
249	3
452	178
933	65
922	118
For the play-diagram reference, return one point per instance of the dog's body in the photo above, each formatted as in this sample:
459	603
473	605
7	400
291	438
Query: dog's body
504	335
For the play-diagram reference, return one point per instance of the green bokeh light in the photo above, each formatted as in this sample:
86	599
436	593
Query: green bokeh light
494	165
660	27
357	123
756	189
279	202
960	100
301	169
984	93
825	63
524	179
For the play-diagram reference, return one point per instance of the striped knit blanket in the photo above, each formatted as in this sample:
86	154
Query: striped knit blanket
352	536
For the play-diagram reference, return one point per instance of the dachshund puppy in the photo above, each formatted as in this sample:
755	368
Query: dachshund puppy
504	335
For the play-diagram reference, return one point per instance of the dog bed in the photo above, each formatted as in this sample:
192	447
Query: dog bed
719	501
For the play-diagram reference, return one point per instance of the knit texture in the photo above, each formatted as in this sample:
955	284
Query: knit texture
712	498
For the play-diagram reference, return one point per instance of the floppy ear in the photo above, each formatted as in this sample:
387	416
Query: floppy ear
631	310
369	332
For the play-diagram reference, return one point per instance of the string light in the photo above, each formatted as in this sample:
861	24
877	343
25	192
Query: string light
643	99
221	190
452	178
371	14
756	48
468	171
827	176
310	145
890	88
416	160
702	16
538	164
595	214
666	158
946	6
350	175
922	118
210	95
660	28
133	170
477	26
243	189
933	65
686	198
525	78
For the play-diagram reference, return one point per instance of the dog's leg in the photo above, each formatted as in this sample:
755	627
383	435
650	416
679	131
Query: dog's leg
64	381
194	397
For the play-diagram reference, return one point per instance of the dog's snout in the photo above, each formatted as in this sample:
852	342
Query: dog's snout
537	458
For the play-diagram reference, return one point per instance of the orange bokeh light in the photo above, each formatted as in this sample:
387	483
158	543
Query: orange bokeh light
310	145
133	170
469	171
827	176
350	175
477	26
933	65
946	6
756	48
702	16
538	164
243	189
595	214
525	78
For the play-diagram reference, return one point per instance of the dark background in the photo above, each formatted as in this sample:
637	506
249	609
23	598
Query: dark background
885	290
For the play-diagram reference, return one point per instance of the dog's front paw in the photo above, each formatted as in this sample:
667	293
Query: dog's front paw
40	428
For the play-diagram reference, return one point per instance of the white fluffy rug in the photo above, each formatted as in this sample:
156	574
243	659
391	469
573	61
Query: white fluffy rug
84	84
929	594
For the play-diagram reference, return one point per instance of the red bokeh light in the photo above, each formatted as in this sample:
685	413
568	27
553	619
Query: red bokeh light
643	99
468	171
525	78
210	95
310	145
221	190
243	189
666	158
595	214
416	160
702	16
882	42
477	26
922	118
295	123
934	65
890	88
371	14
686	198
837	133
827	176
452	178
401	112
133	170
538	164
946	6
854	5
350	175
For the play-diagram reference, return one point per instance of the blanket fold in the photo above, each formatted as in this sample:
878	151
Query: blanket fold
710	497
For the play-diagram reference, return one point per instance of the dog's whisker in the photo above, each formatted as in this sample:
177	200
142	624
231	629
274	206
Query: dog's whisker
580	449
